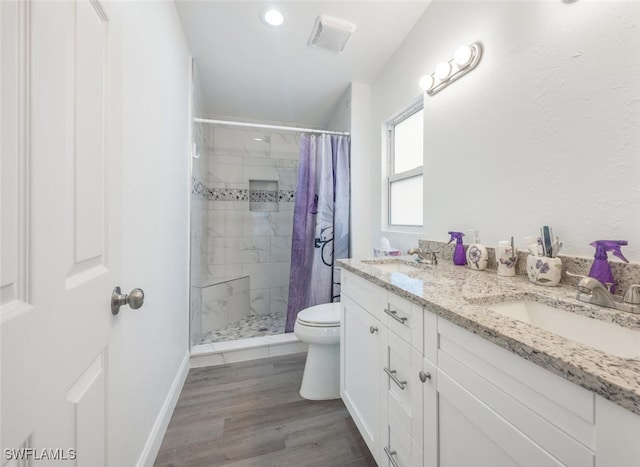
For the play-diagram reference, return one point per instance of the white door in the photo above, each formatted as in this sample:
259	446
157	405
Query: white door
60	230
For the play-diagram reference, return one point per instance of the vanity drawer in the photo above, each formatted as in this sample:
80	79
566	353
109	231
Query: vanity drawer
364	293
543	405
398	447
404	318
402	391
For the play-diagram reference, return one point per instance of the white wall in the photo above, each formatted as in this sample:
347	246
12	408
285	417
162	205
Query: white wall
543	131
152	69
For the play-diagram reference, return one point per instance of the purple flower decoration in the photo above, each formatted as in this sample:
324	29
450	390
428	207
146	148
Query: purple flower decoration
474	255
542	266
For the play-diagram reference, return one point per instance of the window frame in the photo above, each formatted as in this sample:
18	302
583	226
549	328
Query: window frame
392	177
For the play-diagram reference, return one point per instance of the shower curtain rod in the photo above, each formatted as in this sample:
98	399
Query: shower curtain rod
269	127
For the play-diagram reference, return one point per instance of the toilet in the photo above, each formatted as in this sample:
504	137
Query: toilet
319	326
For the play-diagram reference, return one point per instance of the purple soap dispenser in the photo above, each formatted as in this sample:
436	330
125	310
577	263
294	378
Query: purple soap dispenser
600	269
459	257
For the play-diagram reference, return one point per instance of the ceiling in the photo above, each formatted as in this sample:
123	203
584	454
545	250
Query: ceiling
251	71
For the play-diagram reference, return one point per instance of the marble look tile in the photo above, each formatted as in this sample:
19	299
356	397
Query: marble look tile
223	304
288	177
226	173
231	205
216	225
244	250
225	289
222	272
196	312
285	146
229	141
260	301
285	349
267	275
283	223
281	249
252	172
233	223
259	224
279	299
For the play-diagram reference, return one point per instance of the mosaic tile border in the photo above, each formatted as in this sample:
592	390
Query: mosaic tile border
200	191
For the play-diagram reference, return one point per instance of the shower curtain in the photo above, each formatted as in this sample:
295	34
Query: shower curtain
320	223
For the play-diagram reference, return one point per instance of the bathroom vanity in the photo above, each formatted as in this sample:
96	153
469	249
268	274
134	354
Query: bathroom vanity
432	376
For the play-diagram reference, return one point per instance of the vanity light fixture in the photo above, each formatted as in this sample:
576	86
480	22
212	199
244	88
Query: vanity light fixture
464	60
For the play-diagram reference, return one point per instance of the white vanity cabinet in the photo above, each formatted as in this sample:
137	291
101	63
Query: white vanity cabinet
424	391
381	358
361	356
495	406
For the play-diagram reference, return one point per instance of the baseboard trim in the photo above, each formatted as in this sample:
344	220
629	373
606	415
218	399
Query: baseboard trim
154	441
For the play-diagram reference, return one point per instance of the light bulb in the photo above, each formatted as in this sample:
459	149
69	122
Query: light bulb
426	82
273	17
463	56
442	70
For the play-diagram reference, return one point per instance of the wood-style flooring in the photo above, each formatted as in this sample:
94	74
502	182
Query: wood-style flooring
250	414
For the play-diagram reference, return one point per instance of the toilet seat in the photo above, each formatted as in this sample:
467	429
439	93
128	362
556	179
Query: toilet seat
326	315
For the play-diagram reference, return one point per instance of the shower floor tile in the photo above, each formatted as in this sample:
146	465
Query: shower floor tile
252	326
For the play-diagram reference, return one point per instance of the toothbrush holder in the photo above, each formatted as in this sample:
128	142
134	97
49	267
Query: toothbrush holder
543	270
506	260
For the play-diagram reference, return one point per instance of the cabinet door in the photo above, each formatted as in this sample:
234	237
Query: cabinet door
470	433
428	377
361	351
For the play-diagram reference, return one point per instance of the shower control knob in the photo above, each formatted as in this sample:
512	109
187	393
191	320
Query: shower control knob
135	299
373	329
424	376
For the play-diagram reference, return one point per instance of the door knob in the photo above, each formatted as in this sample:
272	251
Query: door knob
135	299
373	329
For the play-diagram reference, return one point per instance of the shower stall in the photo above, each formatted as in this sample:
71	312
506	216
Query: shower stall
243	189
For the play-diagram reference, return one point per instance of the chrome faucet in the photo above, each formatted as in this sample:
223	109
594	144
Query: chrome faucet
592	291
424	256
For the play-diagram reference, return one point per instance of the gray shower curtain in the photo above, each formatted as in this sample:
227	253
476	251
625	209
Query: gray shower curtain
320	223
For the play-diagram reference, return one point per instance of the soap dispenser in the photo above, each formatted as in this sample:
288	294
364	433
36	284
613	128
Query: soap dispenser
477	254
600	269
459	258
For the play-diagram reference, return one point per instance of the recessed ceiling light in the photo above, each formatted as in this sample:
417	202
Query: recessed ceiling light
272	17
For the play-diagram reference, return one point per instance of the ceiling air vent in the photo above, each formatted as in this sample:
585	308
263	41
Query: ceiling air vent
331	33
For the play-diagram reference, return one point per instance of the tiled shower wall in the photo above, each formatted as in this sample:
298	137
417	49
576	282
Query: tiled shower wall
239	242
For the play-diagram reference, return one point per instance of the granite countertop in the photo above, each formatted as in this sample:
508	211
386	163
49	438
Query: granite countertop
461	296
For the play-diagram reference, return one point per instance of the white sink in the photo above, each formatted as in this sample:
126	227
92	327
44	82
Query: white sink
393	266
607	337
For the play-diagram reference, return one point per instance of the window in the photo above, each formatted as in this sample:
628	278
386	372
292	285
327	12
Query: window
405	138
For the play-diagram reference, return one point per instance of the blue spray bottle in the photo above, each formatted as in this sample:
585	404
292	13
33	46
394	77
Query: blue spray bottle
600	269
459	257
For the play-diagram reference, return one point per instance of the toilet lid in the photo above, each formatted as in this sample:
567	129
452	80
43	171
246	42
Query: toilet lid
325	315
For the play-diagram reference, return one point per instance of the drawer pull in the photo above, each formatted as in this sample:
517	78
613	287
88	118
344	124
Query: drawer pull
373	329
392	375
390	455
424	376
394	315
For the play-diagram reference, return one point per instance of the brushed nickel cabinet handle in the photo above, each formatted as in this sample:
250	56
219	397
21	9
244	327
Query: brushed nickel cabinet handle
394	315
390	455
373	329
424	376
394	378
